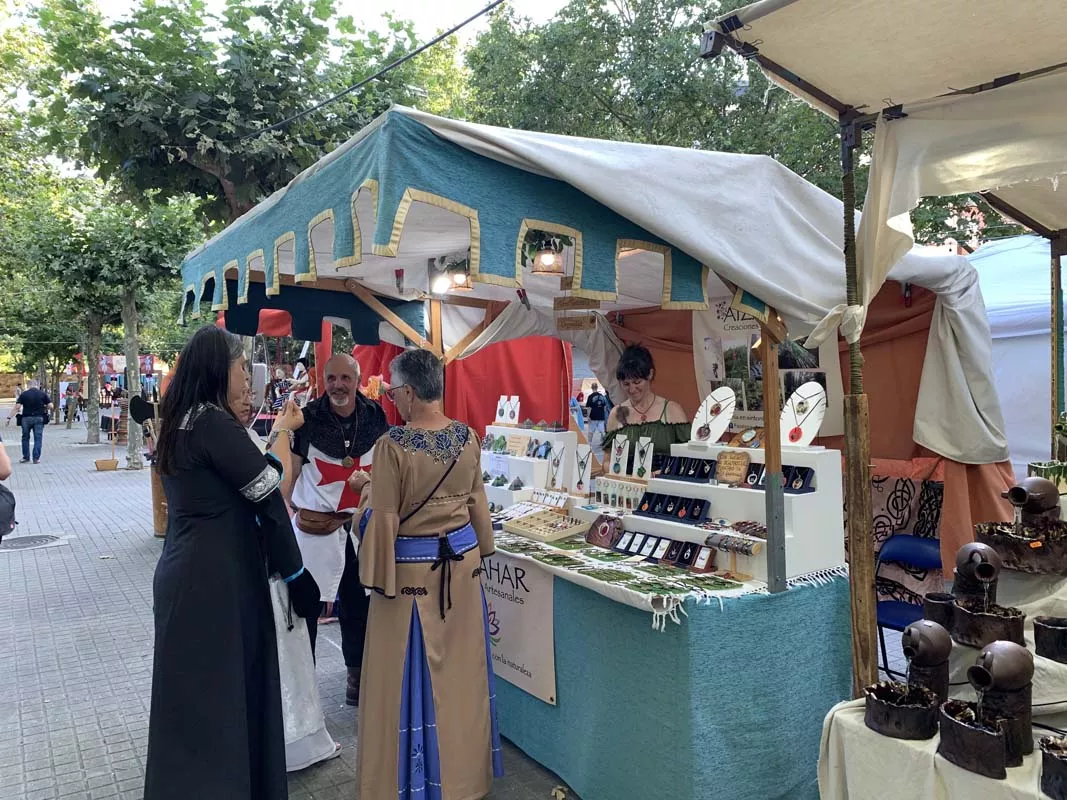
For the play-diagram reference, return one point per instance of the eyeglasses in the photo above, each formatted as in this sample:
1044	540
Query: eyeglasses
391	391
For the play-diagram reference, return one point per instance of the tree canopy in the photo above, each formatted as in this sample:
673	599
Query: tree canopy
173	99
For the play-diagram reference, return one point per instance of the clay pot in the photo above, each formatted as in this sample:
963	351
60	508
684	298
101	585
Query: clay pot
1034	496
1054	767
1003	676
900	711
1002	666
977	628
1050	638
970	745
977	568
939	607
927	647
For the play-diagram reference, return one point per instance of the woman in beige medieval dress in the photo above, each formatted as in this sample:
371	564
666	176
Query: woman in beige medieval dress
427	722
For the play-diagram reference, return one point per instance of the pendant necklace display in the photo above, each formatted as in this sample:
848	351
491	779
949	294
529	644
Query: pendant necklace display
807	407
641	453
617	466
511	409
554	475
582	464
714	415
348	438
500	409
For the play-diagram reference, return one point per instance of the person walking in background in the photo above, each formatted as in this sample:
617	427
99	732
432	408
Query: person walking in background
18	391
216	729
70	405
34	406
427	666
597	403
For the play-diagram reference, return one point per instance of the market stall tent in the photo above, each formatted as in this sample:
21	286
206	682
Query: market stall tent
653	226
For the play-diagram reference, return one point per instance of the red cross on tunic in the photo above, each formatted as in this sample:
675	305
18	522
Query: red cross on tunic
338	473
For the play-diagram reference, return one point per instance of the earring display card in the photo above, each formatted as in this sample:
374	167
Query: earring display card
688	555
649	547
643	458
673	552
625	541
705	560
661	549
620	455
637	543
801	480
755	471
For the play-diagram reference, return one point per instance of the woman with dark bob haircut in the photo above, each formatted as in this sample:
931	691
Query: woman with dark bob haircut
643	413
215	731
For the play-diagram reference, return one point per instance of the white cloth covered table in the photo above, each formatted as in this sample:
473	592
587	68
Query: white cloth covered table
855	763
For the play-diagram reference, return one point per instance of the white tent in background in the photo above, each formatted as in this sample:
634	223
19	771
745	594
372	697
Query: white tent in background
1013	274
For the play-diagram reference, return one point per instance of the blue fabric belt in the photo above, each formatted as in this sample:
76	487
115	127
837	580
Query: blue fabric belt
414	549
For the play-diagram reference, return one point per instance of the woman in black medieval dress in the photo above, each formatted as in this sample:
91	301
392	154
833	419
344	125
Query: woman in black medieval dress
216	724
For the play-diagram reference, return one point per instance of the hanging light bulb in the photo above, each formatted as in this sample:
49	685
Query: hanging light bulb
461	282
441	284
547	262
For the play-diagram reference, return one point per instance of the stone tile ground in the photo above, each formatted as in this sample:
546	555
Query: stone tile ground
76	634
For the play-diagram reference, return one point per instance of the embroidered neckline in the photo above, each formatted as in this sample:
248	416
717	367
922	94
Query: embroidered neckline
443	445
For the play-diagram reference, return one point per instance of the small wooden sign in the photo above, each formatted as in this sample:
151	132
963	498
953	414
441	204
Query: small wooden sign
571	303
517	444
578	322
732	467
566	283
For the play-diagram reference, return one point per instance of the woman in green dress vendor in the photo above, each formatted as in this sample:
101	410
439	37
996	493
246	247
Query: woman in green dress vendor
644	414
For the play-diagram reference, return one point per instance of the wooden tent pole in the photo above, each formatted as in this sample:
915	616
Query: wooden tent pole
774	494
857	453
1057	248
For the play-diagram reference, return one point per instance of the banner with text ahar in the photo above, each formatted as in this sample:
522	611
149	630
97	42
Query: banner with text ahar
725	354
519	597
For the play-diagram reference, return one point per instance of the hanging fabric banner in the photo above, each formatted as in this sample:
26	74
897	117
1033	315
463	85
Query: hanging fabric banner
726	354
519	599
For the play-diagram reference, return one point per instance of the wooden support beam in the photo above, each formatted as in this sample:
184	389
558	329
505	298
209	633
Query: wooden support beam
861	560
379	308
774	495
437	341
1058	248
462	300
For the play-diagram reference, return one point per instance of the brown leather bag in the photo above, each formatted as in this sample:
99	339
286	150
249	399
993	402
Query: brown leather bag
320	523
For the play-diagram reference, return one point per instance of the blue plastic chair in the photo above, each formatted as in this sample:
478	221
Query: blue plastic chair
913	551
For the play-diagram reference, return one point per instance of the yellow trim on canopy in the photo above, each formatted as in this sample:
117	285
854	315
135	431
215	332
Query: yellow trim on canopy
550	227
275	286
392	249
243	297
312	273
685	305
225	304
354	260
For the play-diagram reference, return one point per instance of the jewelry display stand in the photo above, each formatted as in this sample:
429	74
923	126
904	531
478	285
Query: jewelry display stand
619	457
802	415
583	470
534	472
713	417
814	519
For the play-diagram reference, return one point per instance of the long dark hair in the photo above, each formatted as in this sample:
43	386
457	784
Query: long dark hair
202	376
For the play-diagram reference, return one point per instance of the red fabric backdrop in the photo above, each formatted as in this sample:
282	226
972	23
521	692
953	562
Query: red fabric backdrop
537	369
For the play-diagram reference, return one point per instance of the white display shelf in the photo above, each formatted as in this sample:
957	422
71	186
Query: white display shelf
814	520
505	497
591	515
534	471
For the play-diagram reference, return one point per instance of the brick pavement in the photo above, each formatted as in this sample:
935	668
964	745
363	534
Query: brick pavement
76	622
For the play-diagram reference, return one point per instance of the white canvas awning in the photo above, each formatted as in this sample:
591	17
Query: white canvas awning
972	97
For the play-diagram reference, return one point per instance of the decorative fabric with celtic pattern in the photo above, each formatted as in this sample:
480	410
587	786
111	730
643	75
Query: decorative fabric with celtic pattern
442	446
262	485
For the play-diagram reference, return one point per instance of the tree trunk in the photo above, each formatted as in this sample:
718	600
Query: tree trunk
92	368
53	385
133	375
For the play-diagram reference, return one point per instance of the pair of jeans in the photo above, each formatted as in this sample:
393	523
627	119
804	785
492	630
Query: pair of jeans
353	606
35	424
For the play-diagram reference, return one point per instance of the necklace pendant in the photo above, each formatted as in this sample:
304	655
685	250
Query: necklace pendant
347	462
617	468
640	472
580	486
703	432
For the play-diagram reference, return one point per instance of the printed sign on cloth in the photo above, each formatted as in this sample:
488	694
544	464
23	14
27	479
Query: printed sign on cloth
521	638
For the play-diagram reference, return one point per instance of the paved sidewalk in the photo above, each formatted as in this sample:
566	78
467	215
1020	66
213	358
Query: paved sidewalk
76	620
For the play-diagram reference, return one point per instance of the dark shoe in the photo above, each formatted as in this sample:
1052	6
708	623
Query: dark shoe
352	688
24	461
37	461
